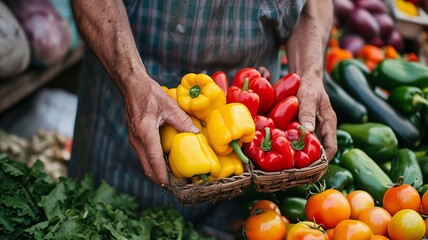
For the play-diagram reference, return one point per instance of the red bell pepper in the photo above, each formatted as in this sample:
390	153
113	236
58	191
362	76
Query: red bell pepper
221	79
270	150
306	144
259	85
245	96
285	87
262	122
284	112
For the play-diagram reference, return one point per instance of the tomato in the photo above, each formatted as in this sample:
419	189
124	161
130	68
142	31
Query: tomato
330	233
285	219
402	196
288	228
379	237
359	200
406	224
328	208
352	230
264	224
307	230
426	226
424	203
265	205
377	219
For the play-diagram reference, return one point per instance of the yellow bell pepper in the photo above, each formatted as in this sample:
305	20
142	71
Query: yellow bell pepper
172	92
407	7
198	95
229	127
167	132
230	165
191	155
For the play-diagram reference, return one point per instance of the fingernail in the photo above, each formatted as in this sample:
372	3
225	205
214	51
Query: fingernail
309	126
194	129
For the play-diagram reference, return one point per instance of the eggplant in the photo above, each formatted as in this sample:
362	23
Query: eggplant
352	42
386	24
363	23
372	6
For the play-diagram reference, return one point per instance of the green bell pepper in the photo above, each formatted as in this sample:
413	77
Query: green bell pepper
338	178
406	164
368	176
293	208
344	143
391	73
407	99
376	139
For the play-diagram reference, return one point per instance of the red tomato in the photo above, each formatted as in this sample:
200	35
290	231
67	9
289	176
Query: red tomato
352	230
359	200
330	233
377	219
307	230
426	226
424	203
406	224
399	197
265	205
328	208
264	224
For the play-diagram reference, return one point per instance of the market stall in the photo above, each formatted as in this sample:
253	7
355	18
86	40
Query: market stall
250	143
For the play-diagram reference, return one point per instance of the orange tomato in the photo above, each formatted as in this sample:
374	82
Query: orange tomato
424	203
426	226
352	230
359	200
377	219
265	205
330	233
288	227
391	52
406	224
285	219
401	196
379	237
307	230
264	224
328	208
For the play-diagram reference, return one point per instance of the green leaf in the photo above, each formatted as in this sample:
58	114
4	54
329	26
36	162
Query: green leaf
52	203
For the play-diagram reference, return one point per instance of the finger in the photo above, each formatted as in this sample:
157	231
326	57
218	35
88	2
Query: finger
307	110
138	147
181	121
327	127
151	143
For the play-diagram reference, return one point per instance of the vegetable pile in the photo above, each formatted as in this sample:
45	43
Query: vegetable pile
250	120
33	206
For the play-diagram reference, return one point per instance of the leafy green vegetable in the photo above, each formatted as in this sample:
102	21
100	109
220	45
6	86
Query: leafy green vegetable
33	206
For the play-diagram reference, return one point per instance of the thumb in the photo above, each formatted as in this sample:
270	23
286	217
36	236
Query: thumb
182	122
307	112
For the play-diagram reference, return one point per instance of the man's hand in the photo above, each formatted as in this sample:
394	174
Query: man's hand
147	108
104	26
305	52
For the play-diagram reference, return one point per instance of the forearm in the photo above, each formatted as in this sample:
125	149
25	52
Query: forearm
307	43
105	28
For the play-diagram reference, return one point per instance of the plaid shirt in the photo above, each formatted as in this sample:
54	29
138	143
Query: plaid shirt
174	37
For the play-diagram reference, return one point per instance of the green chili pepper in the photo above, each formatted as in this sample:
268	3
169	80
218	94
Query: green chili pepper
344	143
293	208
338	178
407	99
376	139
406	164
391	73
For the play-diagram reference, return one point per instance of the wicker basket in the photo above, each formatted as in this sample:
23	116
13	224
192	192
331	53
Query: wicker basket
210	192
281	180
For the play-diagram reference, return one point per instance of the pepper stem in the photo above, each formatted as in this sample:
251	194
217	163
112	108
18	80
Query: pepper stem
419	100
246	83
266	143
194	91
235	145
300	143
203	177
